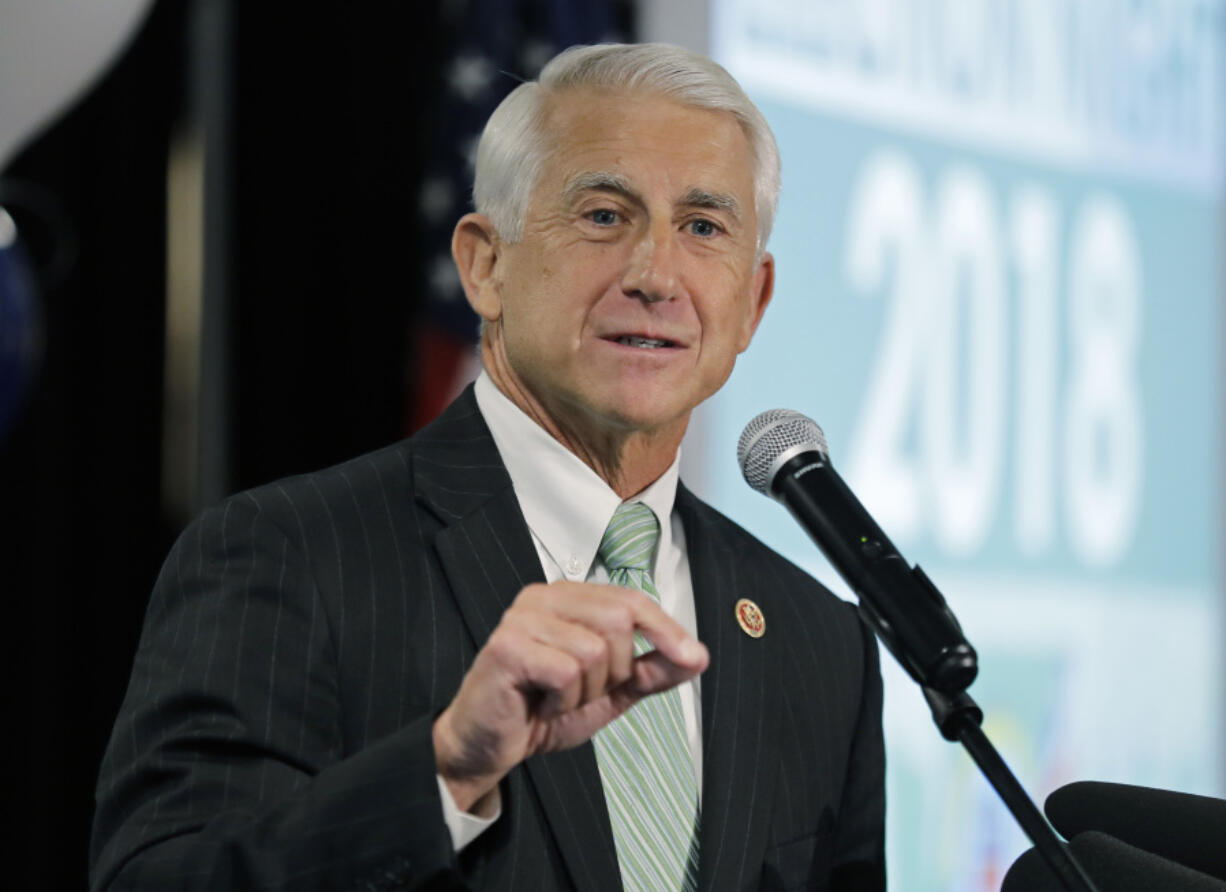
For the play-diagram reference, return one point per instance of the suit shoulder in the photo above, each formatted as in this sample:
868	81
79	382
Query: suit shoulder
357	482
384	473
379	489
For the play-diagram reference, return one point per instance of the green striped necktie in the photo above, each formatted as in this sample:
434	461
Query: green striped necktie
644	755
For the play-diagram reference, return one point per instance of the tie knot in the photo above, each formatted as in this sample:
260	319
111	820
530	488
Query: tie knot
630	538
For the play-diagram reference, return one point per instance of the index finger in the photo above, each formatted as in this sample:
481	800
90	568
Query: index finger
602	606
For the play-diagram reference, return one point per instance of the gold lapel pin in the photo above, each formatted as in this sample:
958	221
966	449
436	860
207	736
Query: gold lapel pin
749	617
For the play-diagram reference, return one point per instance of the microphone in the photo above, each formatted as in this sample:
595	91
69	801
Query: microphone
782	454
1131	837
1181	827
1114	866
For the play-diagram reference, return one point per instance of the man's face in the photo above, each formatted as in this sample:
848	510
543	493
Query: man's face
635	284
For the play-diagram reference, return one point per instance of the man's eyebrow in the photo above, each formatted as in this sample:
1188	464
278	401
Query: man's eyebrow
607	181
600	181
715	201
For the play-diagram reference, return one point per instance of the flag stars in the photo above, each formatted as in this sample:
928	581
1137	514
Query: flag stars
533	56
436	199
470	76
444	280
468	150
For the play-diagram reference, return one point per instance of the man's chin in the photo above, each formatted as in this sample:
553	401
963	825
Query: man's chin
636	416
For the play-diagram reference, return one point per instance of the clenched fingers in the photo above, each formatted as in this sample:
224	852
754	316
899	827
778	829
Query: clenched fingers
591	652
616	613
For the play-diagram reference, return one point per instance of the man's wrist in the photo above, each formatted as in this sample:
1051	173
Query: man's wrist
472	793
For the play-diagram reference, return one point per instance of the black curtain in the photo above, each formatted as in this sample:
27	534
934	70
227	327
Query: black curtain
328	147
79	470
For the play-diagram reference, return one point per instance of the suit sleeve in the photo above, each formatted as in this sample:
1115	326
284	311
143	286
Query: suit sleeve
859	856
227	767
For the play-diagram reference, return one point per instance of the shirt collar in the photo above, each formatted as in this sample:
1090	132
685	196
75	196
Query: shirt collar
566	505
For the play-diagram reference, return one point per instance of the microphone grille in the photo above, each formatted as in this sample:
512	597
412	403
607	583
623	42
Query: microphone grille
771	435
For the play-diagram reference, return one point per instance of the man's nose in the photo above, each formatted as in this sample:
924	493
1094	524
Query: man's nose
651	274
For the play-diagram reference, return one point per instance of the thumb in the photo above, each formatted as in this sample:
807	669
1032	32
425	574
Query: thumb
654	672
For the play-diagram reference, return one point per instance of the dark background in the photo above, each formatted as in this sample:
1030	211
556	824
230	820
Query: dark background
335	119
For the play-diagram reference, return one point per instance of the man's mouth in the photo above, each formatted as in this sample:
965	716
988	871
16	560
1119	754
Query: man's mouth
646	343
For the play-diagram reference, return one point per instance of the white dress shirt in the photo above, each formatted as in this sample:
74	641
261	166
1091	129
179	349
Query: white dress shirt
567	507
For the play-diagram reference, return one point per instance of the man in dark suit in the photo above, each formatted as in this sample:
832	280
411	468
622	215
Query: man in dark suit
411	670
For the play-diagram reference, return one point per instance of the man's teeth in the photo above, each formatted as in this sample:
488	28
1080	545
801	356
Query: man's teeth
632	341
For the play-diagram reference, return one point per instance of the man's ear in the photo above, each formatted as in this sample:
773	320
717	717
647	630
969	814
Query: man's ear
475	247
763	289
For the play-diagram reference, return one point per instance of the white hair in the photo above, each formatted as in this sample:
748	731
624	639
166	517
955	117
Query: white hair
514	143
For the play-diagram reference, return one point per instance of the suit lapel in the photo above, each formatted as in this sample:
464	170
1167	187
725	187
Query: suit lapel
487	555
740	707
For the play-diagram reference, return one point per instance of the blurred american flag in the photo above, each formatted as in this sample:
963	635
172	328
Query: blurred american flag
488	48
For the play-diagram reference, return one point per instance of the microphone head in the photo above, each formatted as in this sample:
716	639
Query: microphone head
1112	865
771	439
1182	827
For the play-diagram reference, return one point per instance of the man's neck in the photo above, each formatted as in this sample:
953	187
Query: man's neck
627	460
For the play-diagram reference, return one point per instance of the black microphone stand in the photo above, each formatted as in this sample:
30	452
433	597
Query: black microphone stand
927	640
958	718
783	454
911	617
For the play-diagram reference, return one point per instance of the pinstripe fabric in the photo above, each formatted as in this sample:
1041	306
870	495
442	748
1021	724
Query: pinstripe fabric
644	758
301	637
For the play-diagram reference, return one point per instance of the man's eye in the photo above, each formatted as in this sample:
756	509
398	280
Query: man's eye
703	228
603	217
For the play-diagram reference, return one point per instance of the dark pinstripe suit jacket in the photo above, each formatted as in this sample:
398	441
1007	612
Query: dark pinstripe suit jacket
302	636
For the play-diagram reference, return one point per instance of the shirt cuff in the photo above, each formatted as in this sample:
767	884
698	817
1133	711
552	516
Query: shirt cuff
462	826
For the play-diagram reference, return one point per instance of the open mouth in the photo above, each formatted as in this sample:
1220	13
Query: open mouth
644	343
